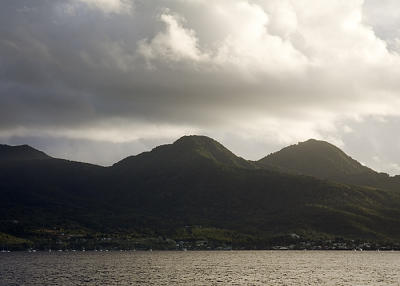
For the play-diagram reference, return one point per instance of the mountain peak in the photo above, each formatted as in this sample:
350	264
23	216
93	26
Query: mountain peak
191	149
210	149
195	140
313	141
316	158
313	145
21	153
199	142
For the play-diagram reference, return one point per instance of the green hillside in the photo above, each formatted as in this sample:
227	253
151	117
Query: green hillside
192	189
325	161
188	150
317	158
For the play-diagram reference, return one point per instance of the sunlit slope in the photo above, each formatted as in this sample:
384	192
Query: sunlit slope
324	160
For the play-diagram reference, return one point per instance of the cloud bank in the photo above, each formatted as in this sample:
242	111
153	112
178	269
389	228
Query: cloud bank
256	75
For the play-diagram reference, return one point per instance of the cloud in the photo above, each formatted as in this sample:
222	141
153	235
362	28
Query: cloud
384	19
266	71
109	6
174	44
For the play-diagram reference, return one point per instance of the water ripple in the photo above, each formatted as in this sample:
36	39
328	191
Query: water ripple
200	268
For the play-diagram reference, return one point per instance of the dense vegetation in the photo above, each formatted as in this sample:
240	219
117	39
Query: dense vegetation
324	160
193	193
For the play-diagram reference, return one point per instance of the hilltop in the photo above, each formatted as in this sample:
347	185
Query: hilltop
325	161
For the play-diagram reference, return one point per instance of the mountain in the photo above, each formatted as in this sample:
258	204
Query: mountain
188	150
20	153
326	161
316	158
37	189
194	189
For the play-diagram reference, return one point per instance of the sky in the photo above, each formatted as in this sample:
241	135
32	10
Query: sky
98	80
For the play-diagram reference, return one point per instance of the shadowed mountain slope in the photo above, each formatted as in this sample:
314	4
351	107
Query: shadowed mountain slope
194	181
324	160
316	158
188	150
37	189
22	152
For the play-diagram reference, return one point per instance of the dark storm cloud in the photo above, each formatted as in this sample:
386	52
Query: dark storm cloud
82	64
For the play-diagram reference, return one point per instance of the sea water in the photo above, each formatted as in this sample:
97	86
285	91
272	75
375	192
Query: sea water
201	268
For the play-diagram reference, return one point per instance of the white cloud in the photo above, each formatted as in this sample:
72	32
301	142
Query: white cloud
174	44
246	43
250	45
384	18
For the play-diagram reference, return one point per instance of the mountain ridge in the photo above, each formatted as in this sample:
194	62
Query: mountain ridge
195	181
313	157
196	140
